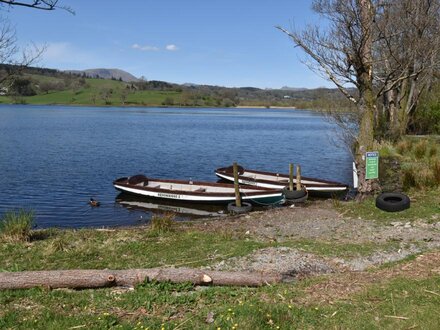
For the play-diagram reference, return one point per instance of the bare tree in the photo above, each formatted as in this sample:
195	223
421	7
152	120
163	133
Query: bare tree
343	53
407	50
13	59
386	49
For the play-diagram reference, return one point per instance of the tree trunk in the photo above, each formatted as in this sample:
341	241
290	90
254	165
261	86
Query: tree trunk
393	112
366	102
93	278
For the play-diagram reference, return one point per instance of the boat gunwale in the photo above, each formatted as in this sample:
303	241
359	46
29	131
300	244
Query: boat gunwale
324	184
257	191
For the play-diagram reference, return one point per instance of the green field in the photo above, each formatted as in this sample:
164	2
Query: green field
96	92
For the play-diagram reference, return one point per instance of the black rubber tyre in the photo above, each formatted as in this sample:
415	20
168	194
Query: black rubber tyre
297	200
294	194
392	202
245	208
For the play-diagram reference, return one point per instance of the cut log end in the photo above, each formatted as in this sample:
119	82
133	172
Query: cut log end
206	279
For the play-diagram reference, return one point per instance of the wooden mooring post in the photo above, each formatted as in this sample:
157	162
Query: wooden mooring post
236	186
298	177
291	176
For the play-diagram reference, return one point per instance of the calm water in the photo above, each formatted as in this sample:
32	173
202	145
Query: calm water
54	158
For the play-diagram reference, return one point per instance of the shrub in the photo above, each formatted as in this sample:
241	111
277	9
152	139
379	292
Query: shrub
16	226
427	117
409	178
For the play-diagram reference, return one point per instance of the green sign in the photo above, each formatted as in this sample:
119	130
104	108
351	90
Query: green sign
372	165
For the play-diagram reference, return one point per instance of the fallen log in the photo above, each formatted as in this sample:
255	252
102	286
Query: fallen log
94	278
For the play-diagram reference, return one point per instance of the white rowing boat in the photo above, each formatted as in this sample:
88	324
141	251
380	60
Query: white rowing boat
194	191
279	181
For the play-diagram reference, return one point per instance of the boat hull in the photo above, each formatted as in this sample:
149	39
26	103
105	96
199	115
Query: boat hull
315	187
181	191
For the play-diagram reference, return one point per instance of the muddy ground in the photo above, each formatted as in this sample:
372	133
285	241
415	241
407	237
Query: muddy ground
319	221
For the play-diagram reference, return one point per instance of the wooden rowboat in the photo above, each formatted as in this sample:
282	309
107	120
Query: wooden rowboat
194	191
279	181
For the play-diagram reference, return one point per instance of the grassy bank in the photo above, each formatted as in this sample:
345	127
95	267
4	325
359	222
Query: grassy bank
403	301
402	295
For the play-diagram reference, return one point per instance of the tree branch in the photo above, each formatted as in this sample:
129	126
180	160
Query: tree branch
38	4
320	62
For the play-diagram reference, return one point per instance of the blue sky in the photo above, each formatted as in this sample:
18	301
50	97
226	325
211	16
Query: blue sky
226	43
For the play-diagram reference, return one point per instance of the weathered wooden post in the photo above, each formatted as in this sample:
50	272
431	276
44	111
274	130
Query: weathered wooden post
236	186
298	177
291	176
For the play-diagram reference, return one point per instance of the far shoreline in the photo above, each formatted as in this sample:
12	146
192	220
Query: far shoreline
158	106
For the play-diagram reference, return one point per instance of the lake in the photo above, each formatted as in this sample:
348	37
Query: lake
54	158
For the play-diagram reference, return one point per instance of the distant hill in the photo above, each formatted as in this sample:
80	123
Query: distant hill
106	74
293	89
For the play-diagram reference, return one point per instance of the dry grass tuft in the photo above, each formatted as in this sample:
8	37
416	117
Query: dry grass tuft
420	149
433	152
409	178
58	244
15	226
435	167
161	224
404	147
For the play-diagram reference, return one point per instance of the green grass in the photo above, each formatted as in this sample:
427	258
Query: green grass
120	249
425	205
182	306
15	226
419	159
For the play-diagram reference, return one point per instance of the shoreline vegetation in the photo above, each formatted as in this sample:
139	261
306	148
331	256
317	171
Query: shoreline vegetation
348	263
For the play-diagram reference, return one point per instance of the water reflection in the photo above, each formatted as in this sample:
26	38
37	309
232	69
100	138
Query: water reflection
183	211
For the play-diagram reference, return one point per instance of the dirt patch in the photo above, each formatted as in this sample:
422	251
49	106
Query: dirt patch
341	286
319	221
289	262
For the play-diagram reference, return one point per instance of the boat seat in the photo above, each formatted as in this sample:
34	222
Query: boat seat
140	184
200	190
156	186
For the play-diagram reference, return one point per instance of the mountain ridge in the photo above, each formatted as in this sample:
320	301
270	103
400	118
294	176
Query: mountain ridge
105	73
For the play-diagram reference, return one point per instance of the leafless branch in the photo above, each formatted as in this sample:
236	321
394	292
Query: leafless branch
38	4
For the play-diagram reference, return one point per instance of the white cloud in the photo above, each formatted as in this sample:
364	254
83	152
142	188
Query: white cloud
57	51
171	48
145	48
